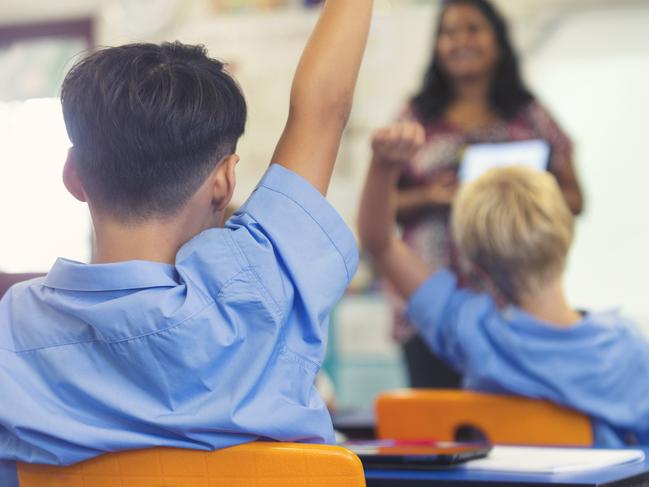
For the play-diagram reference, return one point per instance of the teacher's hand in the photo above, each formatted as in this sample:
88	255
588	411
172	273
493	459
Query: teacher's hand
439	195
441	191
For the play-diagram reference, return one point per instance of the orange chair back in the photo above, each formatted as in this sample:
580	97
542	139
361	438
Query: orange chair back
441	414
251	465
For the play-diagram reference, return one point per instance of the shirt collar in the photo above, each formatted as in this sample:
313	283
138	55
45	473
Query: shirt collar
135	274
521	318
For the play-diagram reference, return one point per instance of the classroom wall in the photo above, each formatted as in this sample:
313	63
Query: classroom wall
593	73
590	67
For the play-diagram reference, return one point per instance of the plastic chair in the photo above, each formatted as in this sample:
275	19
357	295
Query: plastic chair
256	464
463	415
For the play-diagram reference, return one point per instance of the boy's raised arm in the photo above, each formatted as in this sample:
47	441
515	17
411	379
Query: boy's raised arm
322	92
392	146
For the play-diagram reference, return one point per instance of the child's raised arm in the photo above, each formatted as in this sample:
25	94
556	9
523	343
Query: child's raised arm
322	92
391	146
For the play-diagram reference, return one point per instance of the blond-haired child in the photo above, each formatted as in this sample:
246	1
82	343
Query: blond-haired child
513	226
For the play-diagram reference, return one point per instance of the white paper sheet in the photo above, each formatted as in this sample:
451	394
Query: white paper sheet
479	158
552	460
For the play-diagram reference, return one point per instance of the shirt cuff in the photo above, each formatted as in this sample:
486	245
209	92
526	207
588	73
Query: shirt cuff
302	193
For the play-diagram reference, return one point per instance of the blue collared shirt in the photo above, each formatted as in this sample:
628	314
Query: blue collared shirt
218	349
599	366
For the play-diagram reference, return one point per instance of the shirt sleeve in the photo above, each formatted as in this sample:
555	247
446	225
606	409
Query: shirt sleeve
302	252
8	475
439	309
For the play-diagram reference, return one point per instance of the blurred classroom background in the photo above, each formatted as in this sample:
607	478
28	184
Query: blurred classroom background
587	60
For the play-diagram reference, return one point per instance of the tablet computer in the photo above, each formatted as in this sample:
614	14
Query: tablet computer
386	454
479	158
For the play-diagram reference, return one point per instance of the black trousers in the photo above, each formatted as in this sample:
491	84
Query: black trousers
425	370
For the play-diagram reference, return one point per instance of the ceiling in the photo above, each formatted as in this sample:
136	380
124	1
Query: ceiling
21	11
24	11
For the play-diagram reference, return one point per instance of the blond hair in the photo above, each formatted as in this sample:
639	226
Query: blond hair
513	224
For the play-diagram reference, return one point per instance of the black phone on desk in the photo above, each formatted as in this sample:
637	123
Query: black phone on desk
415	454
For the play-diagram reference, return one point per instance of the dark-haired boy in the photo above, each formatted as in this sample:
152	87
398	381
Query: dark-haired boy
179	333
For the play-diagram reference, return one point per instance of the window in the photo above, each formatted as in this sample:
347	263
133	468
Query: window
39	220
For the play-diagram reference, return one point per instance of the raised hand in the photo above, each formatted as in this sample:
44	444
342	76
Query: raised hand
322	92
398	143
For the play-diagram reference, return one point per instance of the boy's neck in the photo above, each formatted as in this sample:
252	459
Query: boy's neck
155	240
114	243
549	304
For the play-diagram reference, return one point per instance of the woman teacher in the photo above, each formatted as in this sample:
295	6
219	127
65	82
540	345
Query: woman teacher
472	93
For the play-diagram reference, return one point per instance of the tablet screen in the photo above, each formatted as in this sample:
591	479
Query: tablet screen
479	158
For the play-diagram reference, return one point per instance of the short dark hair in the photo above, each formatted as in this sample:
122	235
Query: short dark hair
508	91
148	123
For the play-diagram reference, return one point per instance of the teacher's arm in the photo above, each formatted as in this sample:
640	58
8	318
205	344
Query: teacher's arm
436	194
569	184
561	160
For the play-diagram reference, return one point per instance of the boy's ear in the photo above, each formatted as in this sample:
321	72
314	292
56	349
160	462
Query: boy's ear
224	182
71	178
